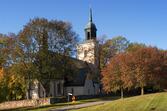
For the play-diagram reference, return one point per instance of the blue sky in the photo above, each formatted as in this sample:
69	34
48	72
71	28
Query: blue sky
143	21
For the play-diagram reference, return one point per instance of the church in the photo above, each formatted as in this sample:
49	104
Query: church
86	80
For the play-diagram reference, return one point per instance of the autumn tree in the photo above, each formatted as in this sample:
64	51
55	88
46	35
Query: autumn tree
150	67
142	67
1	78
117	75
162	81
7	44
110	77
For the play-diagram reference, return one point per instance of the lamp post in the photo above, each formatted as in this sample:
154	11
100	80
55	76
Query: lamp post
69	94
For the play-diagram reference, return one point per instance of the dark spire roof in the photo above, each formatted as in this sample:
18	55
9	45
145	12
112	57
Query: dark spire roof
90	15
90	24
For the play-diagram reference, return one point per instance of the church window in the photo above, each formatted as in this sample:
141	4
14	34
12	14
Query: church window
85	53
88	35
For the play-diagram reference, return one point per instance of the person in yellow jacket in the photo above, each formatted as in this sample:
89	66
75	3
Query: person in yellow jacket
73	99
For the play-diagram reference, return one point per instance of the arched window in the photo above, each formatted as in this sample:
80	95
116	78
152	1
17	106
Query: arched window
85	53
88	35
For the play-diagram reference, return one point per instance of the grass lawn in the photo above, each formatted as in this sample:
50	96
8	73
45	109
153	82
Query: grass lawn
58	105
150	102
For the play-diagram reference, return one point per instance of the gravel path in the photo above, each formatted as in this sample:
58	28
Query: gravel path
78	106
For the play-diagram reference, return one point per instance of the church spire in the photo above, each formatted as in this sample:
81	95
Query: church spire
90	29
90	15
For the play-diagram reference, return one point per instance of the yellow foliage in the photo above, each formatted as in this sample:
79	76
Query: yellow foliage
1	73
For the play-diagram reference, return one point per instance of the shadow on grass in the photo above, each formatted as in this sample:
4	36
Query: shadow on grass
58	105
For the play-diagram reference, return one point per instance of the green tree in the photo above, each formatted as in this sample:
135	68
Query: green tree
35	53
46	44
111	47
135	46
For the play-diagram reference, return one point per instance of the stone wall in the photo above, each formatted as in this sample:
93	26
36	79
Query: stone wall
24	103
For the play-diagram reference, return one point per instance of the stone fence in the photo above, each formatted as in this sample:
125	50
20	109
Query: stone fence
24	103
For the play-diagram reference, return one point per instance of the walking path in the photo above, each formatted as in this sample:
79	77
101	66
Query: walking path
78	106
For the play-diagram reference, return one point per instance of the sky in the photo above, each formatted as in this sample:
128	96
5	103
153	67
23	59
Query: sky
143	21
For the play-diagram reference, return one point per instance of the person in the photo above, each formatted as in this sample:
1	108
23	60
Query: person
73	99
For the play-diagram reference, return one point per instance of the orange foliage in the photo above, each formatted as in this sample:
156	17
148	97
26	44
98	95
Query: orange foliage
139	68
1	73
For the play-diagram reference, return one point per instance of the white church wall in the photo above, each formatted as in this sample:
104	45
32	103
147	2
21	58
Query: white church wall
88	88
75	90
86	51
97	88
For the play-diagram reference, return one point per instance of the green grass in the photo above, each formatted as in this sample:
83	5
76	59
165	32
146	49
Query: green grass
150	102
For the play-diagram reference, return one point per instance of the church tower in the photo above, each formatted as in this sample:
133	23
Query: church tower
88	50
90	29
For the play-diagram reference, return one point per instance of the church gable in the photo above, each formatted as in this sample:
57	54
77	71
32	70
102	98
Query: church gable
83	70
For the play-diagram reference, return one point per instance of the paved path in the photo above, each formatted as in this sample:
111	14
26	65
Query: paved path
78	106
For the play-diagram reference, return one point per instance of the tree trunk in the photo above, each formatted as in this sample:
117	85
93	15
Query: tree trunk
122	93
29	88
142	90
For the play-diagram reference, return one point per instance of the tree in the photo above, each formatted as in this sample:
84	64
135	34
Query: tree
35	53
134	46
7	44
111	76
162	79
40	43
111	47
117	75
120	44
146	60
142	67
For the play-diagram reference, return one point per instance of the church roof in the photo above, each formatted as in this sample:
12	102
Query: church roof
76	70
82	69
90	25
